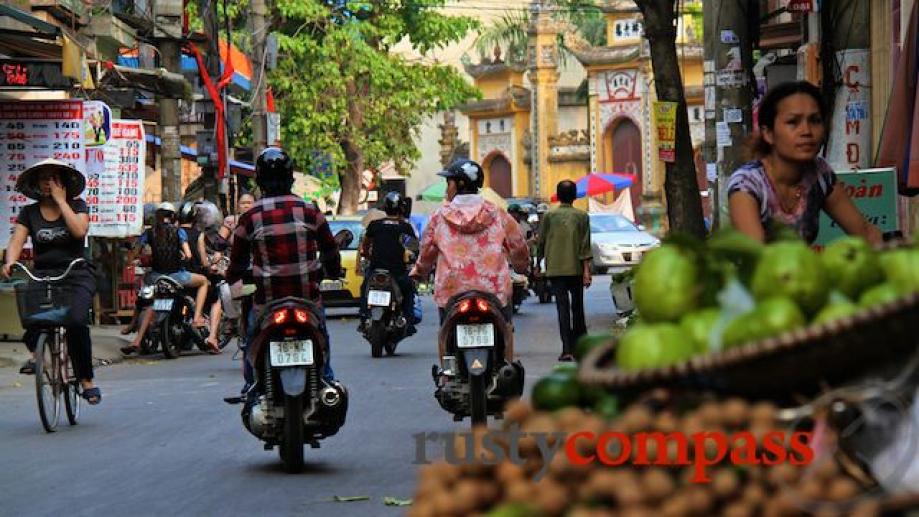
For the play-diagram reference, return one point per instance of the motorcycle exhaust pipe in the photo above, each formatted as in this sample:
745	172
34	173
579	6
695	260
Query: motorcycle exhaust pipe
509	379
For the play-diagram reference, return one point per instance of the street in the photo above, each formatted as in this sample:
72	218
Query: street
163	442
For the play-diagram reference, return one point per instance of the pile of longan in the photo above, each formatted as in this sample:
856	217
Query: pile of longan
595	490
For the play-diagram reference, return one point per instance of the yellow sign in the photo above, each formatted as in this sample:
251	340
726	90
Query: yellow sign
665	123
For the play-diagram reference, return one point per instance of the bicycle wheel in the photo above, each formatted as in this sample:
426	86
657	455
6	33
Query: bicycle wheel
47	382
72	389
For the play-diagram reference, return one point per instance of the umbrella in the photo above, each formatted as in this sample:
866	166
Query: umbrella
438	191
596	184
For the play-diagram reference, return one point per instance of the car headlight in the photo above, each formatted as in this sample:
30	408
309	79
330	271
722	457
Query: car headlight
146	292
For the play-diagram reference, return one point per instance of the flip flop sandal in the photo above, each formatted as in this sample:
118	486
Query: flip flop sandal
28	368
130	350
92	395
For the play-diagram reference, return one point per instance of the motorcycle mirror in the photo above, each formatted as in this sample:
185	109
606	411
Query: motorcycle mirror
344	238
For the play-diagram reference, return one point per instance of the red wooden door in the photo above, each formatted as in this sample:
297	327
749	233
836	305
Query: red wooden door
499	176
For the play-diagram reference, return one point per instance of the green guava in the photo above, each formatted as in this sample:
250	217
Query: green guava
652	346
666	285
880	294
794	270
901	267
588	342
556	391
698	326
836	311
779	314
851	266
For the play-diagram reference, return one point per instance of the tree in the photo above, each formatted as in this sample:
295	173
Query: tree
684	204
345	96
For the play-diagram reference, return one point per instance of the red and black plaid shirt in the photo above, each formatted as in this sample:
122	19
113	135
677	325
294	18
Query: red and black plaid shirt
287	242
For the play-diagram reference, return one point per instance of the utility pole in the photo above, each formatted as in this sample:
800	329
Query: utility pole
730	27
208	10
168	33
258	12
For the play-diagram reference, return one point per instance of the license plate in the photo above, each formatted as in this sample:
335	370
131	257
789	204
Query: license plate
291	353
162	304
475	336
379	298
331	285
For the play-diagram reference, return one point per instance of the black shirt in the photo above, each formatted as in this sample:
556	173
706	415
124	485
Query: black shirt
386	238
193	264
53	246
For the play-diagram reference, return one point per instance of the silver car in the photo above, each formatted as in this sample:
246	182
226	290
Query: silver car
617	243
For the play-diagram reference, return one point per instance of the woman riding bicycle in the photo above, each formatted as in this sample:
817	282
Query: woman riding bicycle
57	225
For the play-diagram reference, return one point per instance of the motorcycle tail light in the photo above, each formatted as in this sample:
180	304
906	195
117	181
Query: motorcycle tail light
464	306
279	317
301	315
482	305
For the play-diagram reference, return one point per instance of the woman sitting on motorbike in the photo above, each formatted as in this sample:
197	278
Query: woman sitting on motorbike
164	239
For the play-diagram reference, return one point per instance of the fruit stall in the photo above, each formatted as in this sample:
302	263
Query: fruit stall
753	380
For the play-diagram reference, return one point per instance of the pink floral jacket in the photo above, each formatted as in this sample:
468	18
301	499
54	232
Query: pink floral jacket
472	241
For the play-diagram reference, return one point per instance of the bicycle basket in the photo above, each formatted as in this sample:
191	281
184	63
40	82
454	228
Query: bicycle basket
43	304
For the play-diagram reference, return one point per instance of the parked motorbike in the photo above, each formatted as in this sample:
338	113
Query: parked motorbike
174	310
476	380
294	405
387	325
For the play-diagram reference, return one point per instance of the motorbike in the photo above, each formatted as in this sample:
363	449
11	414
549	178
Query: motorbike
172	328
476	379
387	326
290	403
294	405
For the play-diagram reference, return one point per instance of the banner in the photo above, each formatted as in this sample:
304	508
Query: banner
32	131
115	182
874	192
665	123
850	134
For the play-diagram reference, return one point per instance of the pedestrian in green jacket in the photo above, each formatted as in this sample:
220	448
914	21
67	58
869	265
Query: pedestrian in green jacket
564	242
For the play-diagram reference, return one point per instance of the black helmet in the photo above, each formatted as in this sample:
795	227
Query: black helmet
274	171
468	175
188	212
393	203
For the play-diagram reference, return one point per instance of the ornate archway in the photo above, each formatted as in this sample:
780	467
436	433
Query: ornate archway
623	153
499	175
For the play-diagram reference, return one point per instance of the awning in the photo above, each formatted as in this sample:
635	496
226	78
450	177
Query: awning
242	67
159	80
236	167
899	146
44	28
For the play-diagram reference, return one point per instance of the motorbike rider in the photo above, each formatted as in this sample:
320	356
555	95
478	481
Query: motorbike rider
471	240
519	214
190	217
287	242
170	246
385	244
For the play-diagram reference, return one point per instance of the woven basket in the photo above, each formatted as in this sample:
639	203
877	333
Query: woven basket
800	362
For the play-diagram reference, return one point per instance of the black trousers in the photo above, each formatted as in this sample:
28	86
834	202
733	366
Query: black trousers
79	342
569	300
406	286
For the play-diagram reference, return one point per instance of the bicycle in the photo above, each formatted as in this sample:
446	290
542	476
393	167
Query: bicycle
42	308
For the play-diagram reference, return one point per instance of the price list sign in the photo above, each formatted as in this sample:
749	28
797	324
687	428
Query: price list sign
115	180
29	133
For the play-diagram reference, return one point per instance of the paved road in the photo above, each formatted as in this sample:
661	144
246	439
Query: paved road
164	443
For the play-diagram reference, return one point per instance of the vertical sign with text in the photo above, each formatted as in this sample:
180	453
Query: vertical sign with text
115	182
32	131
665	123
850	134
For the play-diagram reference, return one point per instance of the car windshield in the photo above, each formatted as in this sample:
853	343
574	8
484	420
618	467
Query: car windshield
354	226
610	223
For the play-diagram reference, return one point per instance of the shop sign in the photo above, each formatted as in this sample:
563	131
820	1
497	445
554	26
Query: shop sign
25	73
874	192
665	122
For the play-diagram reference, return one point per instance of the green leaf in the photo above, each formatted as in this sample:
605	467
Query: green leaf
350	498
392	501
